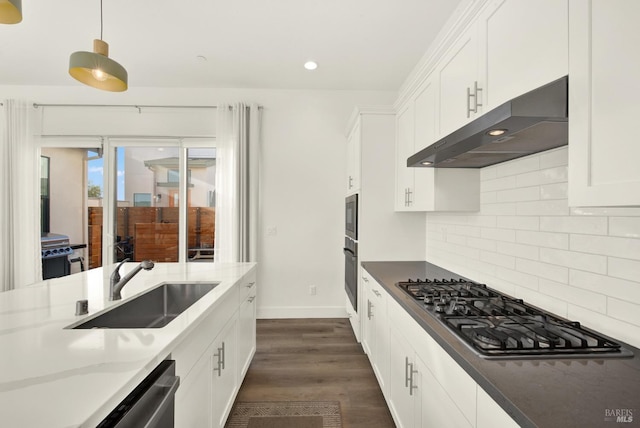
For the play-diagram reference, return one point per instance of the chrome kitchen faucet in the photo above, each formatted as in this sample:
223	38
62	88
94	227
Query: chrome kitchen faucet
116	284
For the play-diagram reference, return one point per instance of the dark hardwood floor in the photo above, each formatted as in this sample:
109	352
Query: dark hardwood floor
315	360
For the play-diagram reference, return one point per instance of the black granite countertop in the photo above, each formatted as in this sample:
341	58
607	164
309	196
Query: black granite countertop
579	392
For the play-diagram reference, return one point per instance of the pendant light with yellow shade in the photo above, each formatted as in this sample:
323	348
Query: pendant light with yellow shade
96	69
10	11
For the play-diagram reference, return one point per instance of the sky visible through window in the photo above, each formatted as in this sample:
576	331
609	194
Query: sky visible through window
96	174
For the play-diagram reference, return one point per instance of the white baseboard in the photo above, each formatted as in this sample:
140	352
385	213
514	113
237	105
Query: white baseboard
274	312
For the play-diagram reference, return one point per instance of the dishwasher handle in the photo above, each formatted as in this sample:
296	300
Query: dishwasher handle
169	390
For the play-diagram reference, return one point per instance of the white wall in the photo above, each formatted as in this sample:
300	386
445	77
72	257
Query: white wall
580	263
302	176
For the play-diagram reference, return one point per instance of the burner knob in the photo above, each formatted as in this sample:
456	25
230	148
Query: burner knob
440	307
428	300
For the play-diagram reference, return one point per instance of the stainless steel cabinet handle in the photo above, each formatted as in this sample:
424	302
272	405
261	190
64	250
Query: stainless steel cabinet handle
409	193
350	182
476	90
411	373
223	356
251	284
473	95
220	355
365	279
251	299
369	306
406	372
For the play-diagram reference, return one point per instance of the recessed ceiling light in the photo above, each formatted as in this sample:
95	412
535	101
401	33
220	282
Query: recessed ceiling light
310	65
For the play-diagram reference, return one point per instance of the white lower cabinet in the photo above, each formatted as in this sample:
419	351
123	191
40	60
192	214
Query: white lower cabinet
375	333
224	371
423	385
213	359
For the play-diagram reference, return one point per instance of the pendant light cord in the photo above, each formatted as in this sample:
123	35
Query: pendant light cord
100	19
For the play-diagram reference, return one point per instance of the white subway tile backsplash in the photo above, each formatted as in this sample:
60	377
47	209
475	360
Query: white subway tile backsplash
574	224
547	207
482	244
518	195
498	259
624	268
543	239
488	197
623	311
588	262
555	157
501	183
508	208
606	245
543	270
620	330
518	222
581	263
544	301
544	176
613	287
553	191
628	227
496	234
518	278
530	252
587	299
518	166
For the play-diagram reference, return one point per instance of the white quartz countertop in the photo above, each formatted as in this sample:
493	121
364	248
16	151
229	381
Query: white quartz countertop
51	376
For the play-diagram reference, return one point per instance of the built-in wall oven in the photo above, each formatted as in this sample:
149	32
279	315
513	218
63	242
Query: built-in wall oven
351	250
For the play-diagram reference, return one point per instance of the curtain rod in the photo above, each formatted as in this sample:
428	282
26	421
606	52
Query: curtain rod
138	106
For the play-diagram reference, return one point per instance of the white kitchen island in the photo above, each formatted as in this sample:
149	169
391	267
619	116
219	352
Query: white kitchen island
52	376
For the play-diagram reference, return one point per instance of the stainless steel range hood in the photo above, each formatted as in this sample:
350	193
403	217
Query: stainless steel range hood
531	123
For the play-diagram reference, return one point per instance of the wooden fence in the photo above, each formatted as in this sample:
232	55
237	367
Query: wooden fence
148	233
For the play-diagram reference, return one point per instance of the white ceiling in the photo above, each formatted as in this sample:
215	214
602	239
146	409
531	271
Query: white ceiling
358	44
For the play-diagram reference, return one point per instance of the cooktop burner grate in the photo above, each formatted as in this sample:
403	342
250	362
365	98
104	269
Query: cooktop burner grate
496	325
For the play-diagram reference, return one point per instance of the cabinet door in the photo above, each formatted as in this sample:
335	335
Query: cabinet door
194	396
426	133
246	332
490	414
380	345
514	41
353	160
461	92
401	395
437	408
224	372
604	90
404	149
368	327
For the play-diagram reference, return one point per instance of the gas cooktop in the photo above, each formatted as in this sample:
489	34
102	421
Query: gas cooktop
498	326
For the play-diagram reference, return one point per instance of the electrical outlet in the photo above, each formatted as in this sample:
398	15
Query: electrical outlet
312	290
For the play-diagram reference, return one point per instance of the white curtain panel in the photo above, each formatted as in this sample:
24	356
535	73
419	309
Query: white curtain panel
20	262
238	131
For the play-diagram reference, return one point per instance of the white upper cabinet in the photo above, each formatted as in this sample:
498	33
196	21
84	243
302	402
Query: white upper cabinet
461	90
429	189
524	45
353	160
604	89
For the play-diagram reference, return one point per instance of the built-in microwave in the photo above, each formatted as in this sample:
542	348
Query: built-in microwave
351	217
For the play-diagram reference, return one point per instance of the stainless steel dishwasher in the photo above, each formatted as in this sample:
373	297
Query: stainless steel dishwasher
151	404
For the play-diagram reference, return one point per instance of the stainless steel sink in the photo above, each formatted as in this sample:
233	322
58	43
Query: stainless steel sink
154	309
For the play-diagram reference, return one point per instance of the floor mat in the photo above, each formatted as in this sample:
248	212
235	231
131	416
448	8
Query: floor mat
285	414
